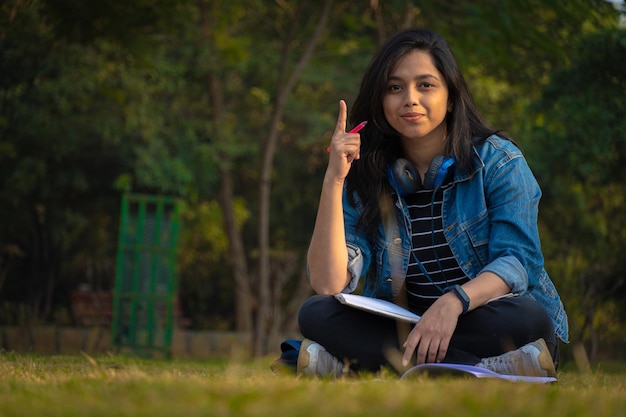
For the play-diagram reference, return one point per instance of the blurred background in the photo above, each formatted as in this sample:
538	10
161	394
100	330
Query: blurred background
225	107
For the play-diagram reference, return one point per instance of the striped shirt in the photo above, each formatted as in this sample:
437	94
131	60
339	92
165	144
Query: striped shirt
430	249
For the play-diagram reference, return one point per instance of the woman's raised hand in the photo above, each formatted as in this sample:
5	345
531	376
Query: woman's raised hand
344	147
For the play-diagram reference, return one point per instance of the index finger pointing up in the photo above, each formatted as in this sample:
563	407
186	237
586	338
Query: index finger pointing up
342	117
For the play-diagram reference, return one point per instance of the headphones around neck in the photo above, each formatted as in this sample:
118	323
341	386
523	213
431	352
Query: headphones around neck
405	179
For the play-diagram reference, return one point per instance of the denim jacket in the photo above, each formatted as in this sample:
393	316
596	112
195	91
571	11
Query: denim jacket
489	220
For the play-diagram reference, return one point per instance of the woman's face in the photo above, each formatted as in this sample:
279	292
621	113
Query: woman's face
415	102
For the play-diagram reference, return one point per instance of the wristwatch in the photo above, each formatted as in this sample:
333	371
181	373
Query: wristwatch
461	294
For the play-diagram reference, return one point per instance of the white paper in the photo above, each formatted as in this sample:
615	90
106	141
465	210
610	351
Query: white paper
378	306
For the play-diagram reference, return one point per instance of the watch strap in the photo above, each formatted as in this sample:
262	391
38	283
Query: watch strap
461	295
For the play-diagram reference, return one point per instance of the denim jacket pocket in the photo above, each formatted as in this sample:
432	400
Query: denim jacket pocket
477	231
475	235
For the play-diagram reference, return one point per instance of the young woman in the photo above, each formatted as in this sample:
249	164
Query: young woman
430	208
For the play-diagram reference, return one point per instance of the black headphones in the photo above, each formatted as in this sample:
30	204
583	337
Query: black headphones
405	179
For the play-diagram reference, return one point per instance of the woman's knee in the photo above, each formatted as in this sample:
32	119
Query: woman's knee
536	314
313	311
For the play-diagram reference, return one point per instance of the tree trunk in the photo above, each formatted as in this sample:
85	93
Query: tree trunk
244	303
265	301
237	259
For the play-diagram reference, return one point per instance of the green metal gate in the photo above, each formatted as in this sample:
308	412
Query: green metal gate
145	281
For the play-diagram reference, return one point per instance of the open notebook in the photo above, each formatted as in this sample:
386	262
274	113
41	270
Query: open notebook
451	369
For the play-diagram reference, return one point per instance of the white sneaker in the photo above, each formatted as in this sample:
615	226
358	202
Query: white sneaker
314	360
533	359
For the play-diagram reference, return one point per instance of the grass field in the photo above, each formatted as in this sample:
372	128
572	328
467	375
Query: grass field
124	386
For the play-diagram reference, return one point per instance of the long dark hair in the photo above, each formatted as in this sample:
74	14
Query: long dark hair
380	143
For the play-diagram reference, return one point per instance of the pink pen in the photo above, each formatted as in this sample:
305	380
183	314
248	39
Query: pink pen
355	129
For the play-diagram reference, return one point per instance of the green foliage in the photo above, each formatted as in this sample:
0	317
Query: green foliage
586	103
206	285
59	113
122	22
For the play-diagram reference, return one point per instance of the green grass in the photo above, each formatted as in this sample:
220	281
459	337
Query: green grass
123	386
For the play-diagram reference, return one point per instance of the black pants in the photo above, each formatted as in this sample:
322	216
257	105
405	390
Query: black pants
362	338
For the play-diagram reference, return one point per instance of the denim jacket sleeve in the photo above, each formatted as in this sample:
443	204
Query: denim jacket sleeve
512	199
359	250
